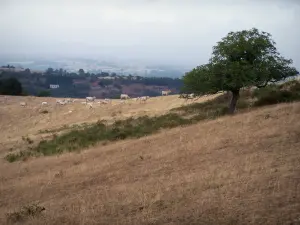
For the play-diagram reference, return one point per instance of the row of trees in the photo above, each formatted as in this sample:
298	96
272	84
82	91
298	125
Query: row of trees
241	59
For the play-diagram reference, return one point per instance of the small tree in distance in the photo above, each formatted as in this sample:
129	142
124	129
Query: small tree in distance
44	93
241	59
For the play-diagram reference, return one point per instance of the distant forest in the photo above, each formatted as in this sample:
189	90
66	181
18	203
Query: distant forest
83	84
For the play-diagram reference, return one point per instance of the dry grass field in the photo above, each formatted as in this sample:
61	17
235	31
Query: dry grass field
242	169
17	121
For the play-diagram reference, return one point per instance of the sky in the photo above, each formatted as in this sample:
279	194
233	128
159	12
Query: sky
179	32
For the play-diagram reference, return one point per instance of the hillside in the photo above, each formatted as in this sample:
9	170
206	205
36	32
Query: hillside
30	121
241	169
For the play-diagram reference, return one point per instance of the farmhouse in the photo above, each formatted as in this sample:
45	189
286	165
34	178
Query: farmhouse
54	86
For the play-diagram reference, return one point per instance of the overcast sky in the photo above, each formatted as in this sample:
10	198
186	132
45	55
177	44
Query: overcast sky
165	31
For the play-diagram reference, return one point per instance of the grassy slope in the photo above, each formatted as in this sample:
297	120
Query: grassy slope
233	170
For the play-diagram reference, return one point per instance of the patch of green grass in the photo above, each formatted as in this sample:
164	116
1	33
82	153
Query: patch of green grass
122	129
64	127
78	139
20	155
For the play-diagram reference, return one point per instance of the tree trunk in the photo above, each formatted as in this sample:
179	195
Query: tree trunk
234	98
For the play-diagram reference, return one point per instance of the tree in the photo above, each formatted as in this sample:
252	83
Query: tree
10	86
81	72
241	59
27	71
49	71
60	72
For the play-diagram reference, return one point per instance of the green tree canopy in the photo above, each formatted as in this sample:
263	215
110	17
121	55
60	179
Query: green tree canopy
81	72
241	59
10	86
50	71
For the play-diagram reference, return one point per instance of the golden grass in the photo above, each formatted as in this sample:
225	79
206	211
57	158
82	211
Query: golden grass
234	170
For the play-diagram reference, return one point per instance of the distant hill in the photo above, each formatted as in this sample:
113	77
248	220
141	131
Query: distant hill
102	85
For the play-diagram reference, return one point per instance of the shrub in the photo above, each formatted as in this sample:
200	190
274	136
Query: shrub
274	94
21	155
24	213
27	139
44	111
44	94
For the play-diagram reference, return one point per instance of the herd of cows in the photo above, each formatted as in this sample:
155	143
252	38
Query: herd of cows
89	101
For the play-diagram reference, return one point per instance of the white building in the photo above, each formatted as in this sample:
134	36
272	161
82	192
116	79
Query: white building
54	86
106	78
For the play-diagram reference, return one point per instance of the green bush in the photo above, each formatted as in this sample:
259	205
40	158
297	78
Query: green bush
32	210
44	94
276	96
260	92
293	86
21	155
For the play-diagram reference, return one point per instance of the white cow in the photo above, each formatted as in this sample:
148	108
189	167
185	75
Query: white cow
61	102
124	96
144	99
108	100
23	104
68	100
165	92
191	95
44	103
90	99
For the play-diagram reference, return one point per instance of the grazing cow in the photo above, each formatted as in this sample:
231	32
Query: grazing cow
90	99
23	104
44	103
124	96
60	102
68	100
144	99
191	95
165	93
